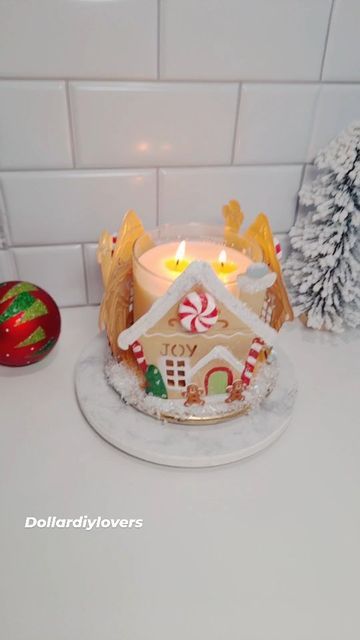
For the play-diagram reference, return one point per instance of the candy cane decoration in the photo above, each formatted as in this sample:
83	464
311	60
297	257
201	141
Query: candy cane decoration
256	346
278	249
139	355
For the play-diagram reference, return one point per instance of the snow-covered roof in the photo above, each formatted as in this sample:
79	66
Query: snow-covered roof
197	273
218	353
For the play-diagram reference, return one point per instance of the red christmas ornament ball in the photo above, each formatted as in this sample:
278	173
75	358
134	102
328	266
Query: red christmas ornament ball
29	323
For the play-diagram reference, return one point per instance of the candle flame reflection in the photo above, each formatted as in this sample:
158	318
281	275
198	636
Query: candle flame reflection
143	146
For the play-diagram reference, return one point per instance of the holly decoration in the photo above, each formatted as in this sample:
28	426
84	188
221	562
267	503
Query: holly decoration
154	382
29	323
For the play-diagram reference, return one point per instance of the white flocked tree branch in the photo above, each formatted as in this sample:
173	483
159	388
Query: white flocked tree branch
323	270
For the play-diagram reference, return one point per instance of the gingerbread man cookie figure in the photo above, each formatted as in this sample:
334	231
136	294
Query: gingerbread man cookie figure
235	391
193	395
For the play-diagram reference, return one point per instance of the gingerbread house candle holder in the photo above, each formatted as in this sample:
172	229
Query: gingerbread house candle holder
192	313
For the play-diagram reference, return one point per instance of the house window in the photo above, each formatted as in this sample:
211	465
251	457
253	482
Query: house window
175	372
267	310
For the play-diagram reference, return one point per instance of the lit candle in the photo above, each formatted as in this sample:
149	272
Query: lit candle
223	266
156	269
179	262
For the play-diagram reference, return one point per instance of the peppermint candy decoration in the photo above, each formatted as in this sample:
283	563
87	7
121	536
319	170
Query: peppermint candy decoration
198	312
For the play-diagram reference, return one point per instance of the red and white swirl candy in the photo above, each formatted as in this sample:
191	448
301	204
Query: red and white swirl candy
198	312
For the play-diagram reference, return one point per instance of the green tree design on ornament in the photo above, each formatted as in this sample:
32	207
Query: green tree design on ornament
154	382
25	304
36	336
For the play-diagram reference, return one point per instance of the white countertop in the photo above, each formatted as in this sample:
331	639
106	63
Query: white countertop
263	549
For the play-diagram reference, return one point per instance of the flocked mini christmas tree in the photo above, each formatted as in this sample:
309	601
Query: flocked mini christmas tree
323	270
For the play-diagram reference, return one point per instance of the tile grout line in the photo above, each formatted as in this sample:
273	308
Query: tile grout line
158	39
157	196
313	124
6	240
303	174
74	244
15	262
71	124
85	274
236	125
12	260
301	182
154	168
326	40
79	304
190	81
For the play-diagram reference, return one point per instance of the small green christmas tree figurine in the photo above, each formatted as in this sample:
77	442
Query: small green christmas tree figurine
154	382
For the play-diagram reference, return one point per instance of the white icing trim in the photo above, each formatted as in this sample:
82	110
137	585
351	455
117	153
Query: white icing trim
195	274
254	285
218	353
225	336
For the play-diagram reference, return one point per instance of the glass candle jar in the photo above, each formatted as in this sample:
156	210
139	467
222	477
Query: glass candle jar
161	256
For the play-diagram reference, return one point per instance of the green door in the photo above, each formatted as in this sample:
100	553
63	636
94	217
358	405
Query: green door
217	383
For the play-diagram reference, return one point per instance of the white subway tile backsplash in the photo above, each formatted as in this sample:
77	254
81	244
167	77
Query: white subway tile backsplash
77	39
168	107
198	194
93	275
310	173
58	270
8	269
342	60
4	227
245	40
274	123
74	206
141	124
34	127
338	105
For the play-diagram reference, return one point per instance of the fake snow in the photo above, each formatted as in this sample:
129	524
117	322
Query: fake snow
126	383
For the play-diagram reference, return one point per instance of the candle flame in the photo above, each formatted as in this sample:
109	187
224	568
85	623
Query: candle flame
180	252
222	257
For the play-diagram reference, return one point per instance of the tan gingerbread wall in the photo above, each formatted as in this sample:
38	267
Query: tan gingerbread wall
171	341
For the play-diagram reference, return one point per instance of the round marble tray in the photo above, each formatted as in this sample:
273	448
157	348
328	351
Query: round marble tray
173	444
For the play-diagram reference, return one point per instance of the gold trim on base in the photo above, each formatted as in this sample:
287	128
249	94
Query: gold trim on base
200	420
193	419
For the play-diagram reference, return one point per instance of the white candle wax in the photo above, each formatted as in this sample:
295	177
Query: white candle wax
152	275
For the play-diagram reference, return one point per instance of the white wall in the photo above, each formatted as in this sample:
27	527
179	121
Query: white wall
170	108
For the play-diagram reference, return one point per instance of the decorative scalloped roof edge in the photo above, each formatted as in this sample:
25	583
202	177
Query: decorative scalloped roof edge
197	273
